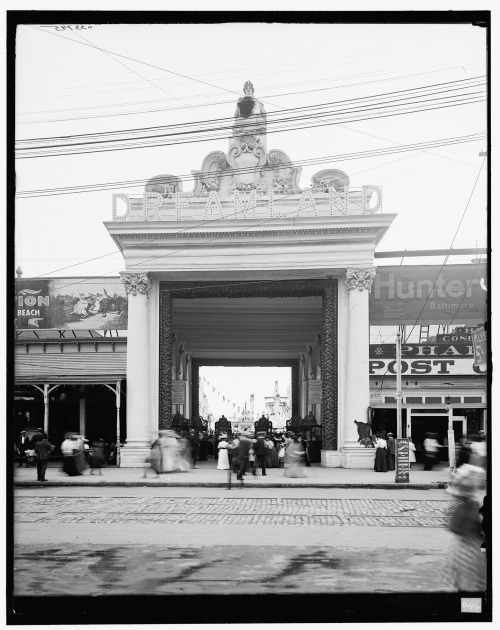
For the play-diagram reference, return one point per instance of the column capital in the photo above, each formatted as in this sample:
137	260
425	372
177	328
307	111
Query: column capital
136	283
360	279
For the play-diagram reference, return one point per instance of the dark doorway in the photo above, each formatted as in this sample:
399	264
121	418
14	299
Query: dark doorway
420	425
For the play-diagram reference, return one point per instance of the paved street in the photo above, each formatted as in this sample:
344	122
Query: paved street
115	541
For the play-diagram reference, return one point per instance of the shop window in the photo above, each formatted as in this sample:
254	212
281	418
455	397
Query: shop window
413	399
472	399
434	399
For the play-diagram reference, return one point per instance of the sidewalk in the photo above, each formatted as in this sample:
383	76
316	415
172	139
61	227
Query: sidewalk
207	475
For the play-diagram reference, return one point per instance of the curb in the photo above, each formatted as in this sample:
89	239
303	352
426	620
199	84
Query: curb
436	485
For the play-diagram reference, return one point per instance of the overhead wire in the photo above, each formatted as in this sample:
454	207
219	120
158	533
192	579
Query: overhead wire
211	138
296	163
451	247
187	97
448	86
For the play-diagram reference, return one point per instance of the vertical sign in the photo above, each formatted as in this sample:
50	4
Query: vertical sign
178	392
451	448
480	350
402	460
315	389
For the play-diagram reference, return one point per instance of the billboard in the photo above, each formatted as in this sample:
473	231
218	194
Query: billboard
428	293
70	303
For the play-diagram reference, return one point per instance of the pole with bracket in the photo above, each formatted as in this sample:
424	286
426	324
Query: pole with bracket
46	391
118	441
398	386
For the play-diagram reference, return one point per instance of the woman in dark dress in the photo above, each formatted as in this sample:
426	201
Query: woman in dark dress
380	454
303	441
96	460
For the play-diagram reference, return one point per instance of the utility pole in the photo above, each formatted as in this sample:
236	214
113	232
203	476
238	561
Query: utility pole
398	385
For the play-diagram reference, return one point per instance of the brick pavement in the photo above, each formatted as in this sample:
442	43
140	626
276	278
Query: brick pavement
236	511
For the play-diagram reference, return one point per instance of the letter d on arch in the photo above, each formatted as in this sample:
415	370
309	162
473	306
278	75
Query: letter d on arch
123	198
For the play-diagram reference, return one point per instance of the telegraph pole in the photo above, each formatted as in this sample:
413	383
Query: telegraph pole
398	386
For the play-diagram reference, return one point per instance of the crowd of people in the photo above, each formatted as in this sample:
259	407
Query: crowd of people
77	451
247	453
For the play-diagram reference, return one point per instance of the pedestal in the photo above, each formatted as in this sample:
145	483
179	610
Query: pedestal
357	457
330	459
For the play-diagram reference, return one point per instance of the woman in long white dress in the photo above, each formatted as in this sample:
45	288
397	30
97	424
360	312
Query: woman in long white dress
288	442
412	448
296	453
223	461
169	451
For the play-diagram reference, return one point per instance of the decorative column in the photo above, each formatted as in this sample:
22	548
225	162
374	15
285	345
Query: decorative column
359	283
329	371
137	287
166	362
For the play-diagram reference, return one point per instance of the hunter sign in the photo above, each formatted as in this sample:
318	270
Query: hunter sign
429	294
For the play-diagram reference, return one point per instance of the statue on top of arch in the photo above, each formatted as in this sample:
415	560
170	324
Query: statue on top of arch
250	115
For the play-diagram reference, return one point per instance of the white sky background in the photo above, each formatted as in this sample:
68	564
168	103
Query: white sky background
238	383
84	90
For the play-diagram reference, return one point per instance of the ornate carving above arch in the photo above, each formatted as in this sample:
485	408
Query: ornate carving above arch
165	185
322	181
246	155
208	179
281	174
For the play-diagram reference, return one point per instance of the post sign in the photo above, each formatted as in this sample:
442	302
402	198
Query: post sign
451	448
178	392
315	390
402	460
431	367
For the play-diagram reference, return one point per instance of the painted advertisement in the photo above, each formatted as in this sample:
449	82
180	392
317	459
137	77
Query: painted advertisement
70	303
429	294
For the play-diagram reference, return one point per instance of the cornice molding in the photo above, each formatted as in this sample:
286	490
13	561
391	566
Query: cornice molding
243	233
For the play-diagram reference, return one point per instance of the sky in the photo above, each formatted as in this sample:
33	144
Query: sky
238	383
108	78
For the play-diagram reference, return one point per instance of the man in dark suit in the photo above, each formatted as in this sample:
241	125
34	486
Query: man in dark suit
261	450
23	444
391	452
37	437
193	445
243	450
43	449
